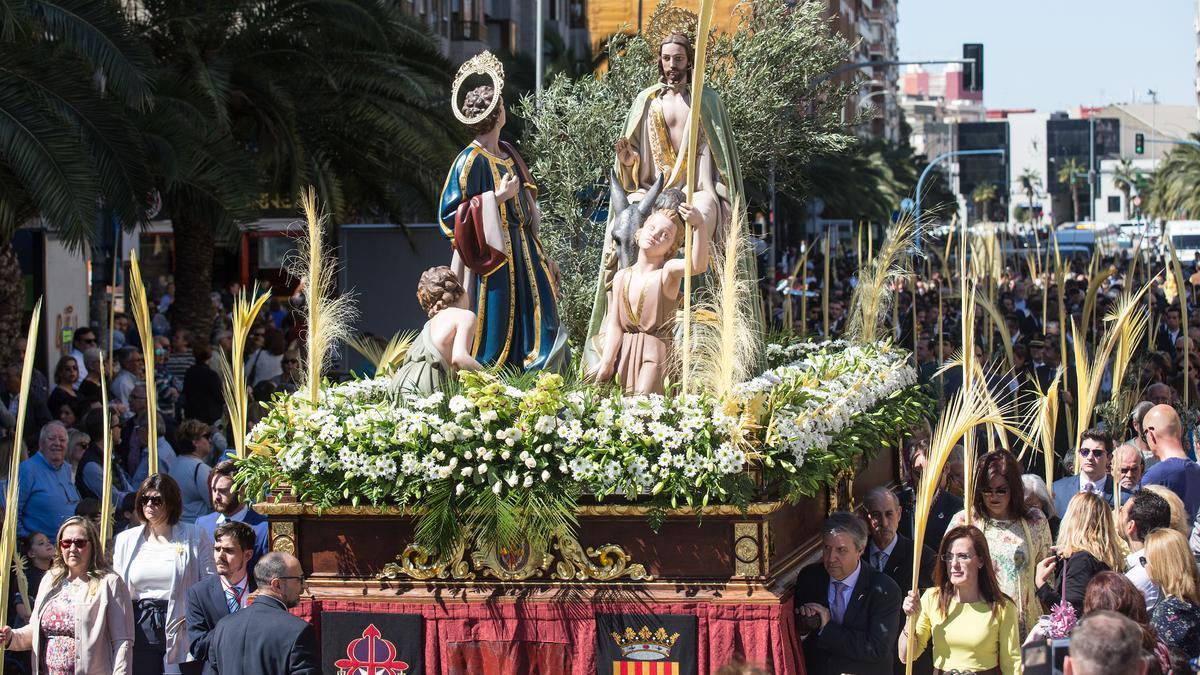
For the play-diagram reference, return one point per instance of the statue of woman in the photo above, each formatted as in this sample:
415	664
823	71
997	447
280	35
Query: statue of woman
489	211
444	346
640	321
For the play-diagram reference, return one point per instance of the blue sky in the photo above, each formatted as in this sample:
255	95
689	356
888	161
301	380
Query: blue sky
1057	54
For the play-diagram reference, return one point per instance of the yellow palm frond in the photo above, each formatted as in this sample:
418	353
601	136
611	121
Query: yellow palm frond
871	297
141	316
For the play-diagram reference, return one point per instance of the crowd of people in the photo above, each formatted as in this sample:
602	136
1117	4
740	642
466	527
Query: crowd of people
187	548
1106	556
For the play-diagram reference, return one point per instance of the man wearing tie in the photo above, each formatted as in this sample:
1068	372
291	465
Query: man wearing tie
850	611
1093	459
228	506
890	552
226	592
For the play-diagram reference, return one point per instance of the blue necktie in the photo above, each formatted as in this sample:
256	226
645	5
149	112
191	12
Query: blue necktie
233	599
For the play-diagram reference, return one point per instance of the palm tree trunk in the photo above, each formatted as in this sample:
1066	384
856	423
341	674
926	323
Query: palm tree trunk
195	244
1075	202
12	302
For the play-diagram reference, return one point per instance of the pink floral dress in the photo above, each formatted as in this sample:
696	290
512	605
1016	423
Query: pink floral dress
58	634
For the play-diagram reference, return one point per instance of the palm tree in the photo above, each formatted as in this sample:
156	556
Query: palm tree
1069	173
982	195
1173	190
1125	177
263	98
1031	182
67	139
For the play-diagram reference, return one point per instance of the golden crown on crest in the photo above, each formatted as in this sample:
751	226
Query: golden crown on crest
487	64
645	645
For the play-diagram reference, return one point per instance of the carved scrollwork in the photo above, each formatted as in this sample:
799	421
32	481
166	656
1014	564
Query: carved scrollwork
516	564
283	537
418	562
614	563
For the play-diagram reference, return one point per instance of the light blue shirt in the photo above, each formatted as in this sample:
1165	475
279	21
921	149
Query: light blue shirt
847	590
93	478
46	497
192	476
166	457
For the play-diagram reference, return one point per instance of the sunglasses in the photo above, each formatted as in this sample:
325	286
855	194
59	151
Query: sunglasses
77	543
152	500
1000	492
1091	452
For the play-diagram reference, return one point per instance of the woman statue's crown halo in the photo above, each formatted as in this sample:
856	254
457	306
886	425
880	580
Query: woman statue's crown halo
480	64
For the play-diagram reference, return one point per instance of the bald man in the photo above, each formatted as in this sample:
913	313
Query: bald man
1174	470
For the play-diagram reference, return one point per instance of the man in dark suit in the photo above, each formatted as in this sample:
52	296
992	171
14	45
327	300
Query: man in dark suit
1169	332
264	638
229	506
850	612
945	502
1092	459
890	552
224	593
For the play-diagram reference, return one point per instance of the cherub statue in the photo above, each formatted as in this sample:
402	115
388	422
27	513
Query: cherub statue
444	346
639	326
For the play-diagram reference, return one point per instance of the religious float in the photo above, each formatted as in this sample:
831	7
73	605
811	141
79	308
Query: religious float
490	502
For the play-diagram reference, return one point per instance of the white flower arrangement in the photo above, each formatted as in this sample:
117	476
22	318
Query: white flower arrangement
362	443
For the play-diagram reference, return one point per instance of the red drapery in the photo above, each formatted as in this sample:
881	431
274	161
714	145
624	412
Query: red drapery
554	638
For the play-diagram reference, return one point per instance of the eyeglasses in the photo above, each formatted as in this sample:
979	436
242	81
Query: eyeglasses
999	492
77	543
301	578
152	500
960	557
88	341
1091	452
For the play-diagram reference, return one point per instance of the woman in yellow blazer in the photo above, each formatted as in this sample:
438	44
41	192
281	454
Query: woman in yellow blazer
82	621
972	624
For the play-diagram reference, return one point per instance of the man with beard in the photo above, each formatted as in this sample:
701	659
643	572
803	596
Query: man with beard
265	638
227	591
654	143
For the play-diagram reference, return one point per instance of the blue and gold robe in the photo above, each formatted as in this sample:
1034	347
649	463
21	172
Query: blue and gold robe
514	295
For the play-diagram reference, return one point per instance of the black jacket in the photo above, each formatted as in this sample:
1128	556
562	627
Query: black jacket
944	506
206	606
898	567
865	642
1079	569
202	397
263	639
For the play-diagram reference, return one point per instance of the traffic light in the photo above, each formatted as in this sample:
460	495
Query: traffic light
1139	143
973	72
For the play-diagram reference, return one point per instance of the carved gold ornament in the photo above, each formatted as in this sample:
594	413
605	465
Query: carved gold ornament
283	537
480	64
667	20
603	563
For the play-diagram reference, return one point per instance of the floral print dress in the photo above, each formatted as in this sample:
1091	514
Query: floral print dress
1016	559
1177	623
57	624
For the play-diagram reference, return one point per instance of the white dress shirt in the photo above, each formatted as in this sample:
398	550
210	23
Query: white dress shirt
1099	485
1135	564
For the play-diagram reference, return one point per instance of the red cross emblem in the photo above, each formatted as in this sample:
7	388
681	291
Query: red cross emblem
370	655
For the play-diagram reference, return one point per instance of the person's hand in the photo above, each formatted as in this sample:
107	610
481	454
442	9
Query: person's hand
815	609
5	635
912	603
508	188
691	214
1044	569
603	372
625	154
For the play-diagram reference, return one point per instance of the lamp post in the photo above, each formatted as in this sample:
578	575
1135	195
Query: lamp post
936	160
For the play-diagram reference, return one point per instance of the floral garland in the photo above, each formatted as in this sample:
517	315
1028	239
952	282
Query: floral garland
803	422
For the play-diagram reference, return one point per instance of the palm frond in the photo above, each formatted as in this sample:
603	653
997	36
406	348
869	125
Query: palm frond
328	317
141	317
873	295
244	311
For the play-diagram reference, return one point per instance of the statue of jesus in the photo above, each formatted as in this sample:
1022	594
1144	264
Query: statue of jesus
654	141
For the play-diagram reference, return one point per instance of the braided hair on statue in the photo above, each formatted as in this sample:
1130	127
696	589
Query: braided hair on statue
438	289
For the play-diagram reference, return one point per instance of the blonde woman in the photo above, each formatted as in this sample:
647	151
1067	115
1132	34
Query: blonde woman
82	621
1087	545
1179	519
1176	616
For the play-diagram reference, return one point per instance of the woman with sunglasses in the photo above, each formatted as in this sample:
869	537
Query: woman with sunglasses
160	559
971	623
1017	537
82	621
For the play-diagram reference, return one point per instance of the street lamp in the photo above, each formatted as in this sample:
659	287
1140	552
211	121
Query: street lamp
936	160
